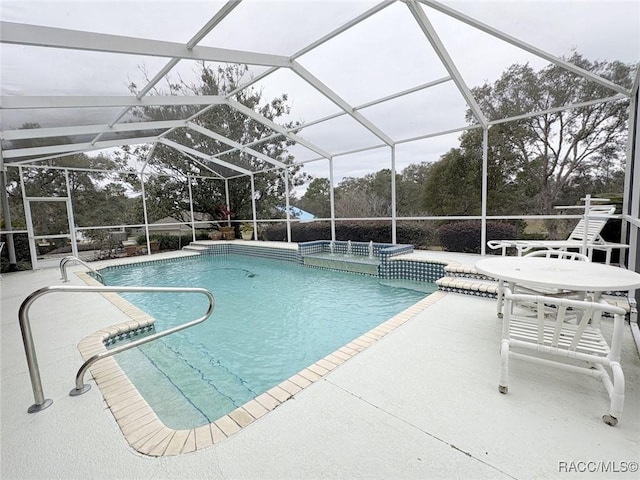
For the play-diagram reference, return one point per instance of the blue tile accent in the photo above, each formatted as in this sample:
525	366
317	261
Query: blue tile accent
130	334
284	254
388	268
384	252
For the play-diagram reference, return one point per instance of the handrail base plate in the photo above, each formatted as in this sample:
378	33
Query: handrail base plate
79	391
37	408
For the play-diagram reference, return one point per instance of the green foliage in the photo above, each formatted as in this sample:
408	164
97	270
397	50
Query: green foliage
316	199
170	197
465	236
172	242
98	198
556	156
369	196
23	256
542	161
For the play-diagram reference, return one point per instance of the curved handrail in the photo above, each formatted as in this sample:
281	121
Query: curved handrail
63	268
32	362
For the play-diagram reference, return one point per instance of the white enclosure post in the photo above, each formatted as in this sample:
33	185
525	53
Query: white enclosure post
193	220
253	208
332	201
6	212
287	205
146	216
587	209
629	232
27	214
485	183
70	217
226	196
394	220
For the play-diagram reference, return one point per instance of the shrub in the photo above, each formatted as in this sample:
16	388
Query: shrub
172	242
378	232
465	236
23	255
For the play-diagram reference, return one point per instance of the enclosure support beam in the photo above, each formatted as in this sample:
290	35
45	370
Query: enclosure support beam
632	193
144	210
629	232
445	58
524	46
6	213
287	204
331	95
79	101
71	218
394	214
70	149
193	219
485	170
196	153
51	37
253	207
220	138
226	194
332	201
278	128
27	214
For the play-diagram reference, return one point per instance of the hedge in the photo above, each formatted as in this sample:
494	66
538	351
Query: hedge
172	242
464	236
413	233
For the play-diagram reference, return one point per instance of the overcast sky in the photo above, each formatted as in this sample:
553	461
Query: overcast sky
384	54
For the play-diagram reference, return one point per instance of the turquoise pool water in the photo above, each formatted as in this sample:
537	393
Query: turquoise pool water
271	320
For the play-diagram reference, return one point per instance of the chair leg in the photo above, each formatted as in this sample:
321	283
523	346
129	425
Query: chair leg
500	298
617	396
503	385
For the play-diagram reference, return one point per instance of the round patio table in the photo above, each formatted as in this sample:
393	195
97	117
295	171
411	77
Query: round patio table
558	273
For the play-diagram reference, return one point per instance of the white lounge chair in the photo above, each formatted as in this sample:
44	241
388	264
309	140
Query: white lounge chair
585	234
577	348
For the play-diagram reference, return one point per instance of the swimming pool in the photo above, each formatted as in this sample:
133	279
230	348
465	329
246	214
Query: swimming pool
272	319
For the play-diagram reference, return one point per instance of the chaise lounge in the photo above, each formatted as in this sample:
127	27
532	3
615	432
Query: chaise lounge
585	237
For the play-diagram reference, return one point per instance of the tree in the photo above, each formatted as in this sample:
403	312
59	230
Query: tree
97	199
317	199
550	151
453	184
538	162
409	186
169	195
369	196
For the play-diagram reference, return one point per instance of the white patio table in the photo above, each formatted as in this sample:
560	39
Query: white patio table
552	273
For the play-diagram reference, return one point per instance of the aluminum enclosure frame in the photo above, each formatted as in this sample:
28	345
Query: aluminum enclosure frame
48	37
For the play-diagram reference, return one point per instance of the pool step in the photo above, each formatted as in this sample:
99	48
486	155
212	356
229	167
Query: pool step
467	281
194	247
189	387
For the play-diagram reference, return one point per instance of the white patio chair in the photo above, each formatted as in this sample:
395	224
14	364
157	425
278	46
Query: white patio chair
580	348
517	288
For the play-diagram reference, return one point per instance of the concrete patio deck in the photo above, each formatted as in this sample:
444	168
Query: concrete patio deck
420	403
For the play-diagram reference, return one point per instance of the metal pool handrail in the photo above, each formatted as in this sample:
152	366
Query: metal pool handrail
34	372
63	268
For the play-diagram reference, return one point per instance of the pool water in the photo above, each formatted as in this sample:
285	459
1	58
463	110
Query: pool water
271	320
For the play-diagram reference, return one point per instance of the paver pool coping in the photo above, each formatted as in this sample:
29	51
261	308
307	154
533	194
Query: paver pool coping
146	433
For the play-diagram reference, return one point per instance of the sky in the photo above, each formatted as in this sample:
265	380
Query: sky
382	55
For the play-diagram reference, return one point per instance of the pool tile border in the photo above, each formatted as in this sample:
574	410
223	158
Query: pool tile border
146	433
